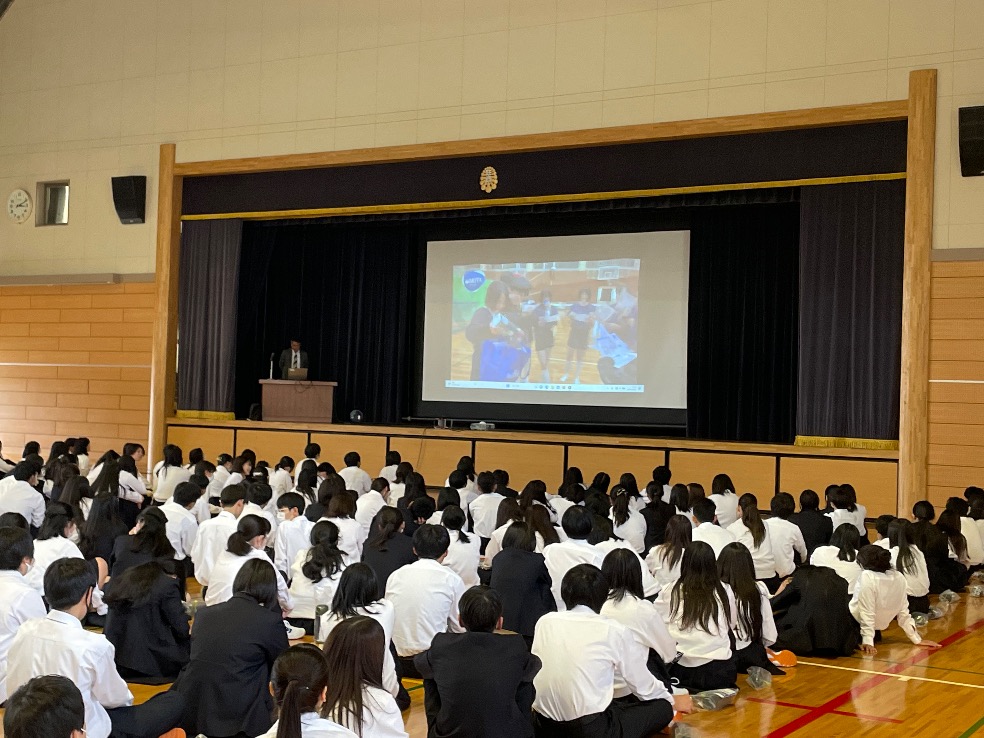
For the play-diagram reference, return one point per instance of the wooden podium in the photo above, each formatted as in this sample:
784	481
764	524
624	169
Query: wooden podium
297	402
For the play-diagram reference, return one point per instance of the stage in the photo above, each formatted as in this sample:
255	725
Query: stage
762	469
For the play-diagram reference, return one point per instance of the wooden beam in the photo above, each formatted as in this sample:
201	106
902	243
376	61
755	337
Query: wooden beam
163	367
777	121
914	390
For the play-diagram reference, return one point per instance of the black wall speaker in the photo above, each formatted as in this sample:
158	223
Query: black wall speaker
971	127
130	198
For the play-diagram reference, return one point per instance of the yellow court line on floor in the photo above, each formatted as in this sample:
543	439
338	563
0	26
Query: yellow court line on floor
900	677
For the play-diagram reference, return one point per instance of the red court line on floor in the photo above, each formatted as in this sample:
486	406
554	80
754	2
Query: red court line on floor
859	716
834	712
833	705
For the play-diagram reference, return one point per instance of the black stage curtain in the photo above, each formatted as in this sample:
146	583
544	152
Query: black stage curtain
207	304
347	293
741	376
851	245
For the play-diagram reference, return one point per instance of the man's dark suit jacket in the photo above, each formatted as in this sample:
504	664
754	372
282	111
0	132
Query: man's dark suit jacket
285	358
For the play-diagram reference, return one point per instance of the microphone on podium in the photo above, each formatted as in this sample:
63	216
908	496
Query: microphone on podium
271	363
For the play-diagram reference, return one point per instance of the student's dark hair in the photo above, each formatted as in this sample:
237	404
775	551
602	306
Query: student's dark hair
958	505
480	608
56	517
24	471
722	485
571	476
654	493
703	510
736	568
431	541
900	536
354	652
195	455
508	512
924	510
874	558
680	497
58	449
104	520
290	500
949	525
977	509
521	536
312	451
422	507
538	518
577	523
600	482
172	456
485	482
14	520
405	468
840	498
248	528
108	480
15	546
415	488
232	494
809	500
496	292
75	490
131	448
846	539
597	503
624	574
31	448
66	581
82	446
324	559
342	505
110	455
698	595
239	465
223	459
128	464
601	530
393	458
352	458
584	584
385	525
135	585
186	493
152	537
830	489
534	491
500	477
202	467
453	518
782	505
286	462
628	481
357	587
695	491
333	486
258	579
679	534
448	496
259	493
299	676
379	484
973	493
44	707
662	475
881	524
751	518
620	504
36	461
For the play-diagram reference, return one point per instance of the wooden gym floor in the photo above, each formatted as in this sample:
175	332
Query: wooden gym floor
901	691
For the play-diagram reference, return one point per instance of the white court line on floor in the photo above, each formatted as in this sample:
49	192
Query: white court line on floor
900	677
956	381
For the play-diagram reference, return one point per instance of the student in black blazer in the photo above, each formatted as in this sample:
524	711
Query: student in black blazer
287	358
149	542
520	577
657	514
478	683
147	623
233	647
387	549
817	528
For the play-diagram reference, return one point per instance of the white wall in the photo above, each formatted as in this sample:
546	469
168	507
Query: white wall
89	88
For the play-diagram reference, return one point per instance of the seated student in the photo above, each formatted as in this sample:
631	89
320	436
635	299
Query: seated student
213	535
240	470
418	512
57	644
521	579
299	681
881	529
169	473
22	497
414	488
147	542
880	598
356	698
147	623
387	549
842	554
507	514
812	615
55	542
484	509
314	575
468	488
280	478
355	479
859	511
664	560
388	472
725	500
14	520
561	557
583	653
258	496
19	601
909	561
398	484
233	647
603	538
700	613
425	596
478	683
756	627
545	532
312	452
657	514
945	572
45	707
320	493
787	538
750	531
626	605
445	497
500	478
293	529
203	508
630	526
463	551
351	534
182	526
959	507
371	503
949	525
680	500
813	524
707	530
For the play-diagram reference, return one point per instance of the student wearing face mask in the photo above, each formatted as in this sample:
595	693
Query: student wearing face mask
19	601
56	540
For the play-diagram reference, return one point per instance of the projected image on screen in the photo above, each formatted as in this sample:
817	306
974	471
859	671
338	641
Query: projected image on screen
546	326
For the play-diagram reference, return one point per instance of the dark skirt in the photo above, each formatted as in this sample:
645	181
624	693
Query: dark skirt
754	654
578	338
718	674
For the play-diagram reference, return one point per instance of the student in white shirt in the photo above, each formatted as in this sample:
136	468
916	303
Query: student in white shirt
48	706
664	560
463	551
19	601
680	500
787	538
756	627
397	487
630	526
240	470
351	535
182	525
841	555
355	479
603	539
94	471
280	478
425	596
388	472
909	561
258	496
57	644
969	530
169	473
700	613
507	514
371	503
564	556
223	464
704	513
314	575
22	497
293	531
535	494
54	542
881	530
847	510
750	530
584	655
484	508
546	533
880	598
467	487
725	500
312	452
661	477
202	510
213	535
82	455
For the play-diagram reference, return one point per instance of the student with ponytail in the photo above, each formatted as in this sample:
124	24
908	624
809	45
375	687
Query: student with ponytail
665	559
387	549
750	530
841	555
314	575
508	513
630	526
911	563
463	553
248	542
725	500
756	628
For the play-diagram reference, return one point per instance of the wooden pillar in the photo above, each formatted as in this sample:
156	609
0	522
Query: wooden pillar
914	390
163	365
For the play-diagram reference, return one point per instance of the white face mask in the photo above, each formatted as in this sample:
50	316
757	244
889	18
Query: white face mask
281	516
73	536
28	566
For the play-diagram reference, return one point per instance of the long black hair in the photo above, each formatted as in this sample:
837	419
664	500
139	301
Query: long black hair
385	525
134	586
453	518
722	485
620	504
698	595
680	497
152	536
900	536
299	676
679	534
357	587
248	528
847	539
56	519
538	518
323	558
624	574
355	650
751	518
736	568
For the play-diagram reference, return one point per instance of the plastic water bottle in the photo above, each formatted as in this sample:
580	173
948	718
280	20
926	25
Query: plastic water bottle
319	611
921	619
715	699
977	590
759	678
937	611
950	596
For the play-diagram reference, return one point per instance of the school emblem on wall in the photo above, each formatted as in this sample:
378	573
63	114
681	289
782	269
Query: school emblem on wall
488	180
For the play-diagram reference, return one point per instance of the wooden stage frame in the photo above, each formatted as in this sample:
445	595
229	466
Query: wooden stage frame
910	466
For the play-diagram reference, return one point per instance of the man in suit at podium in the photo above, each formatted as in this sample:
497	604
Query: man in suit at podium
293	358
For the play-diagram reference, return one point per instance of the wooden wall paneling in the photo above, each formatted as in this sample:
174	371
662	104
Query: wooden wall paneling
212	441
876	482
959	477
920	168
615	461
271	445
955	434
434	458
523	461
334	446
750	472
